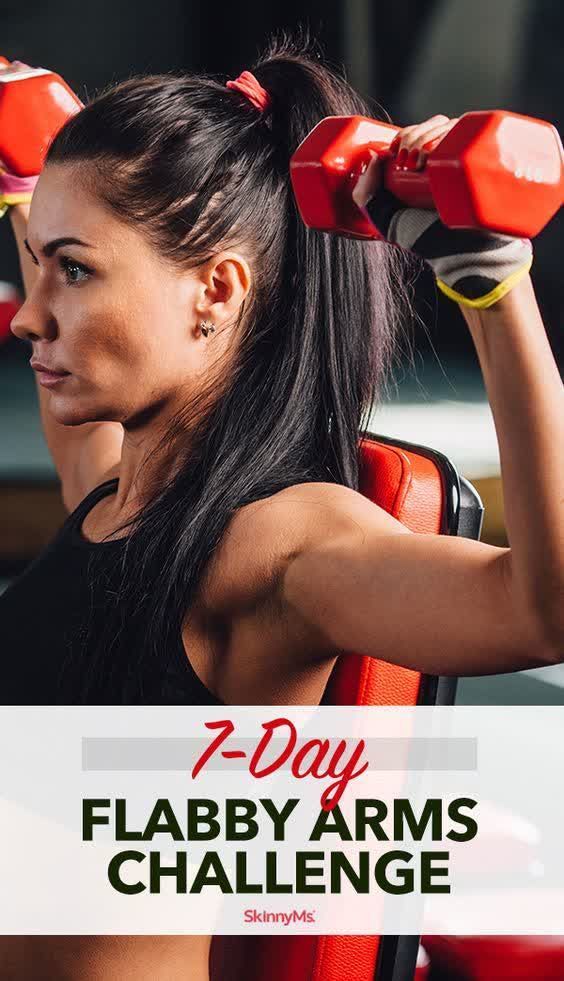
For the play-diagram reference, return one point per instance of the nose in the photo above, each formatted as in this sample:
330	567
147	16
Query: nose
29	324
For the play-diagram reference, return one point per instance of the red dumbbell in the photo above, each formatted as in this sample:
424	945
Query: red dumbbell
495	170
34	104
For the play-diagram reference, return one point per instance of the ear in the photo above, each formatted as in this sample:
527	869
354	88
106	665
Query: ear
225	281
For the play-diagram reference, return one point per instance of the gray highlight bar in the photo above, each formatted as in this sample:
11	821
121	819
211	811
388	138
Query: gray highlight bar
174	754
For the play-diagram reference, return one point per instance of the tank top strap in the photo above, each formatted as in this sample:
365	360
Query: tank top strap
76	517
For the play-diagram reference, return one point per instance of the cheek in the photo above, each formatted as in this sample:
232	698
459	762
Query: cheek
99	340
143	332
99	333
157	329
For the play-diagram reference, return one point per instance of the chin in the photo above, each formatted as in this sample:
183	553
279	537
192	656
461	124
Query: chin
74	412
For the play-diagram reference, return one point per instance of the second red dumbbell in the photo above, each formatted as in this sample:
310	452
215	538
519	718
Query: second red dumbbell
34	104
494	170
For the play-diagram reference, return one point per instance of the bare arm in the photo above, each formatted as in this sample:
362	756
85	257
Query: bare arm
82	455
527	400
452	605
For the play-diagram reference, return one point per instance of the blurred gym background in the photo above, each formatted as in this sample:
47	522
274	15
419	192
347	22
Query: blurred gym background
416	58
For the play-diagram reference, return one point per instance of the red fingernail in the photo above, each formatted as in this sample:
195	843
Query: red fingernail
394	144
411	162
402	156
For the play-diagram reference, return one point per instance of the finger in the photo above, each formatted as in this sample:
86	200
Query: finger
15	66
401	136
427	140
368	181
411	135
431	144
410	154
409	132
424	143
434	134
420	134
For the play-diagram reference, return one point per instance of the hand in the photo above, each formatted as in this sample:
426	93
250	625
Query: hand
471	267
411	145
14	66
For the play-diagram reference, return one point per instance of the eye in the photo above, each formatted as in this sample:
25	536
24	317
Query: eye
75	272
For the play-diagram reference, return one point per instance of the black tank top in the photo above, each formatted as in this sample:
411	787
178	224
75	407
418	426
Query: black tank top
42	616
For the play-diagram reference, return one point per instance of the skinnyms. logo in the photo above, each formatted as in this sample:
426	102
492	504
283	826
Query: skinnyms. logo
264	916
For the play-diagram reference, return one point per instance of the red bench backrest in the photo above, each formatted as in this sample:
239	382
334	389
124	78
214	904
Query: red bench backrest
421	489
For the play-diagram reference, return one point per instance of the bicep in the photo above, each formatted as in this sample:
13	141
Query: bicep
437	604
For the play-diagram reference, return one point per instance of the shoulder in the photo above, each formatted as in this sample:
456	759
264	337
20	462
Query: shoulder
262	538
306	513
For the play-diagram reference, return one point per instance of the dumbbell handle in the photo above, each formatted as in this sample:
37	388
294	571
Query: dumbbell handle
413	187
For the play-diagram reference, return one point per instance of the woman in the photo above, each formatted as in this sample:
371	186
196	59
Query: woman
212	361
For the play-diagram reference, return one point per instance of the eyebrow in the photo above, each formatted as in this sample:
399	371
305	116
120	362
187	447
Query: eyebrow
51	247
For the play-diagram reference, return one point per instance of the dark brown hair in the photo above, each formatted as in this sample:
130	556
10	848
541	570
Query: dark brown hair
196	168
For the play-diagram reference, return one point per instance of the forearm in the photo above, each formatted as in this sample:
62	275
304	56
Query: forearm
19	215
527	401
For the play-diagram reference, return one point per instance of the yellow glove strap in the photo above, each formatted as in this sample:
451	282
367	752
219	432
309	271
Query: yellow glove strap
16	197
488	300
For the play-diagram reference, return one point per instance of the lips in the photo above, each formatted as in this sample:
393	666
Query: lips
39	367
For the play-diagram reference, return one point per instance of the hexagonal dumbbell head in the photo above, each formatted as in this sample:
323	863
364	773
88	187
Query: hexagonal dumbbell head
325	166
34	104
498	170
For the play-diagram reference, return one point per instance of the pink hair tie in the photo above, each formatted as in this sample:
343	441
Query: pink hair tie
251	88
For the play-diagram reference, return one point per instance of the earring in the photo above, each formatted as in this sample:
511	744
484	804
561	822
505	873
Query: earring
206	327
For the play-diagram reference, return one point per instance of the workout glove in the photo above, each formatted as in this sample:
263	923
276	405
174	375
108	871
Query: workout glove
14	190
472	267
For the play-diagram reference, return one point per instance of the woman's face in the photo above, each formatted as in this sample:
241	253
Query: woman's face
123	323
